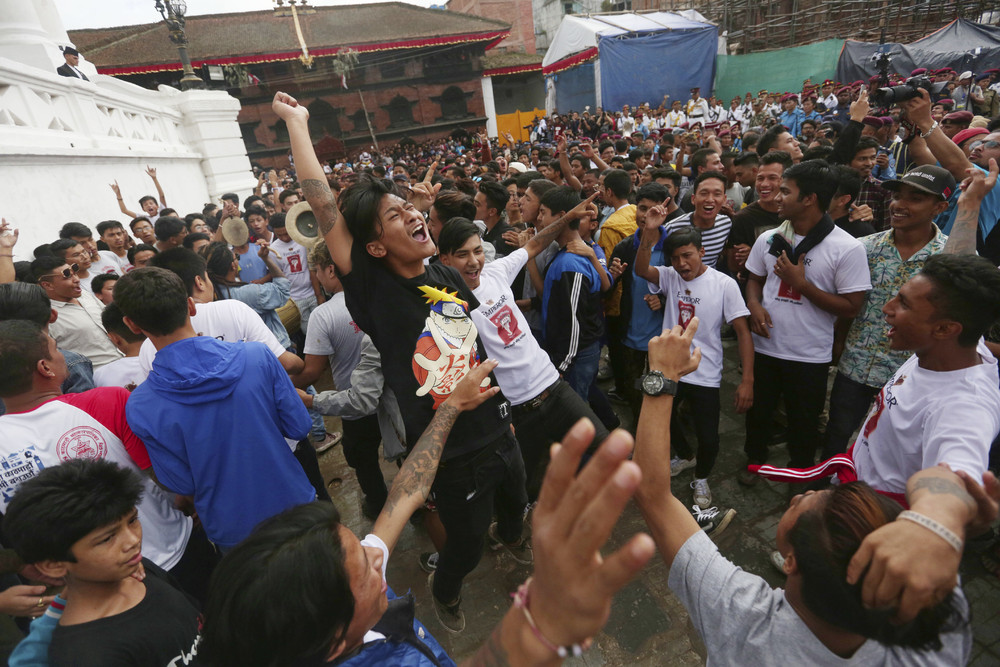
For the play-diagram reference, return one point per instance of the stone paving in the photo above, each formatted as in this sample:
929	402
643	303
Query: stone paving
648	625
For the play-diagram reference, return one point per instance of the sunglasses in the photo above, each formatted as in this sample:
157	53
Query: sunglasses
66	273
984	144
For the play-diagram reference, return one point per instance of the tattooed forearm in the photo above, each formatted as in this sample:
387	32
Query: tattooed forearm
962	239
322	202
418	471
939	486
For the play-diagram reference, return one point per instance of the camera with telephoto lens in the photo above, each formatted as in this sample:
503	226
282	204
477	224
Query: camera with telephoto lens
887	97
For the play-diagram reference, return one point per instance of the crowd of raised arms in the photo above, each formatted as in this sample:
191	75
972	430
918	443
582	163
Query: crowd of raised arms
161	494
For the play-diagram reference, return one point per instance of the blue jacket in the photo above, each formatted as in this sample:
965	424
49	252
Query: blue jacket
571	308
407	642
214	416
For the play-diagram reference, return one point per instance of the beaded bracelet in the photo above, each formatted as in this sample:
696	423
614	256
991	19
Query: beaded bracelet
933	526
521	602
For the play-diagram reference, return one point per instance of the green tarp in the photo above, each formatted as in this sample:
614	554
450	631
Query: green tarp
778	71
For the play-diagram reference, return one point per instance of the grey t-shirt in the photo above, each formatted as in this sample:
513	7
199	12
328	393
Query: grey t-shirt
332	332
743	621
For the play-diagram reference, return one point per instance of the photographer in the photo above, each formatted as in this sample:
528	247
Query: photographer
930	145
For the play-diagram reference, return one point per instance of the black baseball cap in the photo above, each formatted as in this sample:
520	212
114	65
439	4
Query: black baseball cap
928	178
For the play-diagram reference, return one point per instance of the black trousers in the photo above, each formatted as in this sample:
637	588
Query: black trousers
803	386
467	490
849	403
705	405
538	428
361	440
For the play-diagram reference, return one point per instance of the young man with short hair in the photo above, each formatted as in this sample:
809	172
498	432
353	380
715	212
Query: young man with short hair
80	522
102	287
78	327
101	261
140	255
213	415
113	234
894	256
126	372
803	276
572	324
708	196
694	289
428	342
143	230
170	232
491	202
543	405
758	217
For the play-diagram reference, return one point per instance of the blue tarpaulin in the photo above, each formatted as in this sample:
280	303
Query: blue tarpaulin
575	88
645	67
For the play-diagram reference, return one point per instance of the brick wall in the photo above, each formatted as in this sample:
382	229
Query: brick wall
517	13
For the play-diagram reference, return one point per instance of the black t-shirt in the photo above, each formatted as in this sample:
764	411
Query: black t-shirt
856	228
495	236
749	223
161	630
422	329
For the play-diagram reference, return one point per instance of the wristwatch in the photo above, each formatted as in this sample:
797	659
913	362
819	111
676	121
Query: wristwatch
654	384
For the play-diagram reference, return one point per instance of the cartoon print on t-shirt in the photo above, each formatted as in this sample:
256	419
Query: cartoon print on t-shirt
685	309
294	263
16	468
507	325
446	349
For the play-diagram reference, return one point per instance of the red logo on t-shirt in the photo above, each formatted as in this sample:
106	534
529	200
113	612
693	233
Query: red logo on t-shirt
506	324
788	292
294	264
685	314
82	442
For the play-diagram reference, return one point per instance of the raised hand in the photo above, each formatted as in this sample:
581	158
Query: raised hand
670	352
572	521
976	185
617	268
114	188
8	236
656	215
474	389
287	107
860	107
151	172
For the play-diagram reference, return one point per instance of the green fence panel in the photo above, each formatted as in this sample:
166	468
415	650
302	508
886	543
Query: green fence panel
778	71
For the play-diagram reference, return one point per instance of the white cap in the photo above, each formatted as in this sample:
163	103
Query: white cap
965	75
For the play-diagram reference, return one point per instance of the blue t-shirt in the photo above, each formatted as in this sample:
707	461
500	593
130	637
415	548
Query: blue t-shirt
644	323
252	266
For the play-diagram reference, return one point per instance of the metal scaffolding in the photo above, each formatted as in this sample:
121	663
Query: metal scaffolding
761	25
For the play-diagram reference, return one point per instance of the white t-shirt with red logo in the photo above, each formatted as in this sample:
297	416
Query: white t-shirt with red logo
296	267
921	418
714	298
91	425
524	370
802	330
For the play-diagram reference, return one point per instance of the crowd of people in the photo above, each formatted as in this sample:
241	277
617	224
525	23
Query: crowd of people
161	494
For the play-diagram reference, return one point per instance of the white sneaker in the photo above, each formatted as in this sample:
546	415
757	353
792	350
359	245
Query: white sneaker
679	465
702	494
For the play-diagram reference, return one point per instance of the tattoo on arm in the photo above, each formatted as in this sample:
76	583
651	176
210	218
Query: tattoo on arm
939	486
323	203
418	471
962	240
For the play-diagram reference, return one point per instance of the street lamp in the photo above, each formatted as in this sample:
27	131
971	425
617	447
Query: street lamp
173	12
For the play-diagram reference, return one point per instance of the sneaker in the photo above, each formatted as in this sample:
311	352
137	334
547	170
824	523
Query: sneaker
520	552
747	478
450	616
331	440
429	561
778	561
604	371
702	494
679	465
713	520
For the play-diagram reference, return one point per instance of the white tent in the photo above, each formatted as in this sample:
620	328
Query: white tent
579	41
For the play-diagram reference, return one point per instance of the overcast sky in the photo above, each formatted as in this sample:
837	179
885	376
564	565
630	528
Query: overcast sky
106	13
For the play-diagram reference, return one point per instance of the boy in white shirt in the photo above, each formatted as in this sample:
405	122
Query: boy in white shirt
294	262
693	288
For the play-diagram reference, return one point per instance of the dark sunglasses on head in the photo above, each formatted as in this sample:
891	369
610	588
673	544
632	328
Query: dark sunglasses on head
66	273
